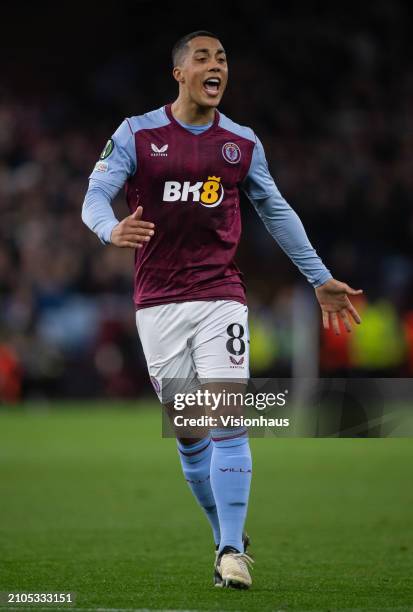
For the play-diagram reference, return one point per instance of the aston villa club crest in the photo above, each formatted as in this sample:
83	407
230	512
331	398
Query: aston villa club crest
231	152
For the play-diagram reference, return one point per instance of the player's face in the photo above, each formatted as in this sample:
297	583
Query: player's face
204	71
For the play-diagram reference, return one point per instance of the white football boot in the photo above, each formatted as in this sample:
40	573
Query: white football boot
232	569
217	576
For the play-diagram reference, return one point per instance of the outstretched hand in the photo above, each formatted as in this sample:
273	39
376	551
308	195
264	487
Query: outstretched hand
132	232
334	303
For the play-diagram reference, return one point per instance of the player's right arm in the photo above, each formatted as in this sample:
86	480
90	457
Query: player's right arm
116	164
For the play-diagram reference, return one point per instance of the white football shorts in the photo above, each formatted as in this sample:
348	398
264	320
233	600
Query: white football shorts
189	343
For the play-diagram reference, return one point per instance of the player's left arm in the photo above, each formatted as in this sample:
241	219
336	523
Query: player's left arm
286	228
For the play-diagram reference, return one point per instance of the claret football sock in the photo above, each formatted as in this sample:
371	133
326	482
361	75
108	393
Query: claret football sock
231	469
196	461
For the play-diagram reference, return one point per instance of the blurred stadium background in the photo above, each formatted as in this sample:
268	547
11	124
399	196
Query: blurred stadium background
328	87
92	500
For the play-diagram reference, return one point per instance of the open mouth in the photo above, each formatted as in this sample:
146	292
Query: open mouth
212	85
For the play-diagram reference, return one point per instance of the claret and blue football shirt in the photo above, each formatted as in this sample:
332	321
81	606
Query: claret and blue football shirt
188	180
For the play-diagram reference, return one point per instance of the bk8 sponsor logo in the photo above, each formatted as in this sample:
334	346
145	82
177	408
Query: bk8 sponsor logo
208	193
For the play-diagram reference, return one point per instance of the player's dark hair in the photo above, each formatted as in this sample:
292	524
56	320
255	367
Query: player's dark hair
180	45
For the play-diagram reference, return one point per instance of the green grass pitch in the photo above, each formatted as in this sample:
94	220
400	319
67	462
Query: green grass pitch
93	501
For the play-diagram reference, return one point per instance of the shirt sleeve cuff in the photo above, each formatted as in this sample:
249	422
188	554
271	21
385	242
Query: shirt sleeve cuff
325	276
106	232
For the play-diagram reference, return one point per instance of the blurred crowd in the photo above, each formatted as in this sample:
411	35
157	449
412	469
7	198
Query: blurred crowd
333	104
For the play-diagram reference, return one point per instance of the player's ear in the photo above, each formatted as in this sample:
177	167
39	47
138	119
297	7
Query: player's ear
178	74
